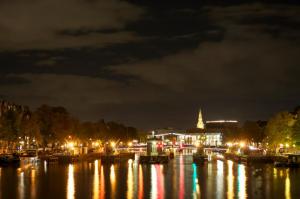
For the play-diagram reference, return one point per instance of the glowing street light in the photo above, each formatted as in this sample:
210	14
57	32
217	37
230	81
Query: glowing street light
70	145
242	144
113	144
229	144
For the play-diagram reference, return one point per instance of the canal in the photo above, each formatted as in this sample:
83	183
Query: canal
178	179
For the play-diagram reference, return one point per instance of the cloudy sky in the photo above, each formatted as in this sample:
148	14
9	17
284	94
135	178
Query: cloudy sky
152	64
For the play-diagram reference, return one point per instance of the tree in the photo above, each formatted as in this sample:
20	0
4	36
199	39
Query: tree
252	131
30	128
55	123
296	129
279	129
10	125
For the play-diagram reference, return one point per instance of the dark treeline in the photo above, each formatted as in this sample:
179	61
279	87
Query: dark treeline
47	125
282	128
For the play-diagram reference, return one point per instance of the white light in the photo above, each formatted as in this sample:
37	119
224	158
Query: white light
222	121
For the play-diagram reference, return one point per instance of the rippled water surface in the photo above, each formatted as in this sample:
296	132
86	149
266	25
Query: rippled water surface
178	179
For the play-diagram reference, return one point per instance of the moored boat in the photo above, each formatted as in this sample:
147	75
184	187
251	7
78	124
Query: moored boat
9	159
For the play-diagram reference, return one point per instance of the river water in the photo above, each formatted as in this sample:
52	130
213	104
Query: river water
178	179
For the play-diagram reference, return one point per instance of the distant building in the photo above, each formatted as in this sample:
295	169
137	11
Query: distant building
213	139
220	125
6	106
200	124
222	128
209	134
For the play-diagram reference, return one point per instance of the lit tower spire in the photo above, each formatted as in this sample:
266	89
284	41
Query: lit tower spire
200	124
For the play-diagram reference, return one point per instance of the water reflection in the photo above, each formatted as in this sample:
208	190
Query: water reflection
160	181
196	186
0	182
281	173
70	183
33	184
157	182
230	180
96	181
45	166
287	185
21	186
181	178
242	181
102	185
153	182
275	172
178	179
141	182
220	177
210	188
113	181
129	180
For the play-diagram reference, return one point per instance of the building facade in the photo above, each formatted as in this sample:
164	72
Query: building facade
210	134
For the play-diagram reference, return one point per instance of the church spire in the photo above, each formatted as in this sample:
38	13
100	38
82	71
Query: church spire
200	124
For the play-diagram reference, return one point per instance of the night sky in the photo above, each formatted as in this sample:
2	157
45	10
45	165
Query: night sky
151	64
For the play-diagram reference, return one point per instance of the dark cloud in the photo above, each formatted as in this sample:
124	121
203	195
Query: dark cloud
39	24
8	80
152	65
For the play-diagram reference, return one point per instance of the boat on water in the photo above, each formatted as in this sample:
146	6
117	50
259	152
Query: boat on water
29	153
51	159
9	159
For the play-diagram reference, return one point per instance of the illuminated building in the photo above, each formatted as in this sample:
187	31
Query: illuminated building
221	125
213	139
211	134
200	124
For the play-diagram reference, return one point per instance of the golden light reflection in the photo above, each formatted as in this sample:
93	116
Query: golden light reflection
242	181
113	181
45	166
153	182
21	185
230	180
70	184
141	182
275	171
33	184
281	173
287	185
210	175
129	181
220	177
96	181
102	185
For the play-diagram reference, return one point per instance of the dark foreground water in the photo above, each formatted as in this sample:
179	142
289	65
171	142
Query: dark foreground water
179	179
